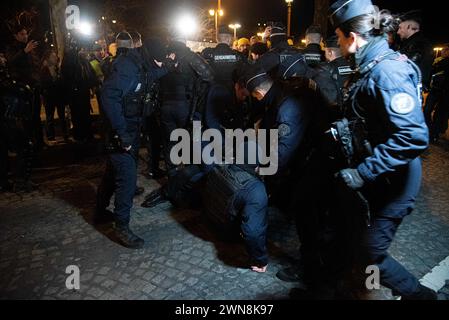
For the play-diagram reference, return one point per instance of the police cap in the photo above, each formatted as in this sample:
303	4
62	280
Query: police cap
124	40
344	10
254	76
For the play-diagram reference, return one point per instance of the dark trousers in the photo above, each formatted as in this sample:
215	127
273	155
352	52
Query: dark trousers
153	141
174	115
440	117
375	244
80	112
52	105
38	133
120	178
252	202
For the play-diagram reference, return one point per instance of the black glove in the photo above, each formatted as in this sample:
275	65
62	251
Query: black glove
352	178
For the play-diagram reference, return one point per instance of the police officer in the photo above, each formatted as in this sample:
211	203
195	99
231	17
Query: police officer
415	46
180	92
16	127
312	52
339	67
223	59
386	169
123	94
280	49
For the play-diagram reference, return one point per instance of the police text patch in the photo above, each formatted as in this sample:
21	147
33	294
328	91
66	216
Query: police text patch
402	103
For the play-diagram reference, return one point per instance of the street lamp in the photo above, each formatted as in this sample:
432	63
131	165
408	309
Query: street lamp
235	26
216	13
289	15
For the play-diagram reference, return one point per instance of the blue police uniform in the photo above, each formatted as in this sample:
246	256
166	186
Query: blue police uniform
398	133
252	203
122	96
290	115
386	97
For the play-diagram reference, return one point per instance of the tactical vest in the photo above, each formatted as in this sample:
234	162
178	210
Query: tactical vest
223	61
222	186
313	55
133	101
350	133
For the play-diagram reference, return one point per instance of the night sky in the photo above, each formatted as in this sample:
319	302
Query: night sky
247	12
250	12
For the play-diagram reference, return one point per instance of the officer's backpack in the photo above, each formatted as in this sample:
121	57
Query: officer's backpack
223	184
200	87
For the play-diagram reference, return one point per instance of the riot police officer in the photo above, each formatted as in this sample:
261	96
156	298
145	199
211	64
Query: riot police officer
312	52
338	66
280	50
385	169
123	96
181	92
223	59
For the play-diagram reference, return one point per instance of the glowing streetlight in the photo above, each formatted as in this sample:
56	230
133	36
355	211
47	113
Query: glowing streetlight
85	28
235	26
114	21
216	13
289	15
186	25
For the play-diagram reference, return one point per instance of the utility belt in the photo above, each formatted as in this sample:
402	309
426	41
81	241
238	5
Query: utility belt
347	142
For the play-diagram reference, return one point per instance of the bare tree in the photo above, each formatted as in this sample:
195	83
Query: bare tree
320	16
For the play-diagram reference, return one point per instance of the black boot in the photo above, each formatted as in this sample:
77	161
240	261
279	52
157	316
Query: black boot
127	238
422	293
154	198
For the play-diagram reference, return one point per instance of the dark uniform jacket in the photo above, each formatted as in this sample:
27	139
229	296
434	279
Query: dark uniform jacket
419	50
223	61
128	79
387	97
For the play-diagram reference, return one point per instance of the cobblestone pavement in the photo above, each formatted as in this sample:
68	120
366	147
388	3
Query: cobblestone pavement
43	232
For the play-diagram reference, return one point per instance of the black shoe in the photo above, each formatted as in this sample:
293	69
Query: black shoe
139	191
422	293
127	238
154	198
291	274
103	216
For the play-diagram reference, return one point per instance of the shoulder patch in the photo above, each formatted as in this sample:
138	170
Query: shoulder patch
283	130
402	103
